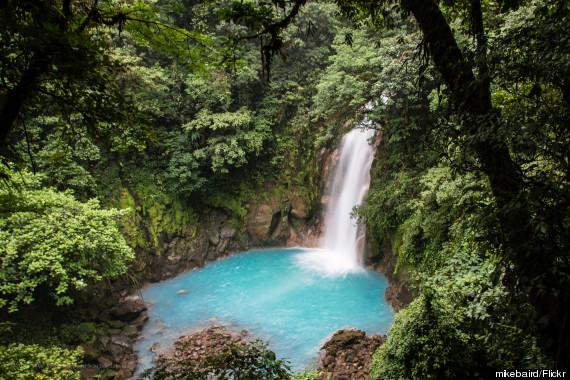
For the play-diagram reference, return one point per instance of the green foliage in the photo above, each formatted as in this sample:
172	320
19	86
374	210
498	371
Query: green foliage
494	317
31	362
250	362
231	136
425	342
53	242
464	324
77	333
306	374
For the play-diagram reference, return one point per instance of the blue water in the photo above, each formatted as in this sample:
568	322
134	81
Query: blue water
273	295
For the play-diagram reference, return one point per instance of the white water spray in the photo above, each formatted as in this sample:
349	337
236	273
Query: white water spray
339	254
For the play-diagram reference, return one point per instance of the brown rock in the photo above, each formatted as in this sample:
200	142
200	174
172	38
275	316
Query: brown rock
128	310
259	222
227	232
140	321
105	362
299	208
155	347
214	237
349	355
88	373
123	341
90	353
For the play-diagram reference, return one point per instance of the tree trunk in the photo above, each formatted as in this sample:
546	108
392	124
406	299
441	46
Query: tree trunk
17	96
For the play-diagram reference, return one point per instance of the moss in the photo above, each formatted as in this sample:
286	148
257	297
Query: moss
152	216
402	266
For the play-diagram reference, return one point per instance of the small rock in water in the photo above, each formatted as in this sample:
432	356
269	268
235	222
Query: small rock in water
182	292
155	347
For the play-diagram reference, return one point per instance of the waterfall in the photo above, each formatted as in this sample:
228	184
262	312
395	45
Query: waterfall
339	254
351	180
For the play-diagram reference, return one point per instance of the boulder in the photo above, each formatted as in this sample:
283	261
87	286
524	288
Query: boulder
259	222
88	373
280	231
105	341
90	353
105	362
214	237
227	232
123	341
299	208
140	321
343	339
128	310
130	363
117	351
155	347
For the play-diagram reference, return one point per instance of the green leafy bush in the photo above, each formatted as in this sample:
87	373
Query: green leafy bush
50	240
425	342
250	362
33	362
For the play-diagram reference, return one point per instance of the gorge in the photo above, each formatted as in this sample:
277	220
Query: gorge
293	298
182	153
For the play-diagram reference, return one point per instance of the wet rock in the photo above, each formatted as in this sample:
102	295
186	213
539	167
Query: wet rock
123	341
131	331
105	340
343	339
212	255
90	353
259	223
299	208
118	352
105	362
348	355
155	347
214	237
140	321
130	363
88	373
194	348
128	310
227	232
280	228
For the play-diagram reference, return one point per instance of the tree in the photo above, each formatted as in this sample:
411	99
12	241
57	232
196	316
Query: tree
56	60
51	243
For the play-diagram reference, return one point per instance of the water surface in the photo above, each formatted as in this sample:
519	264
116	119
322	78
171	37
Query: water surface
275	295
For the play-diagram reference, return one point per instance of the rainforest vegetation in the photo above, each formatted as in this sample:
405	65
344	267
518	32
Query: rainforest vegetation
125	121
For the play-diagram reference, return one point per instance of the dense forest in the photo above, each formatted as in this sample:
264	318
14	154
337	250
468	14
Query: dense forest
126	125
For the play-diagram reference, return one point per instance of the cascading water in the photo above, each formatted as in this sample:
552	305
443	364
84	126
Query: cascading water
350	186
339	254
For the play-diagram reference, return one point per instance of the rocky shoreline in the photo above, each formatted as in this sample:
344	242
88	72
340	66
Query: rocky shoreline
111	353
347	354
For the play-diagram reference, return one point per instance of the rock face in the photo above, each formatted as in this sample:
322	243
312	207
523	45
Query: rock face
268	221
397	294
348	355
